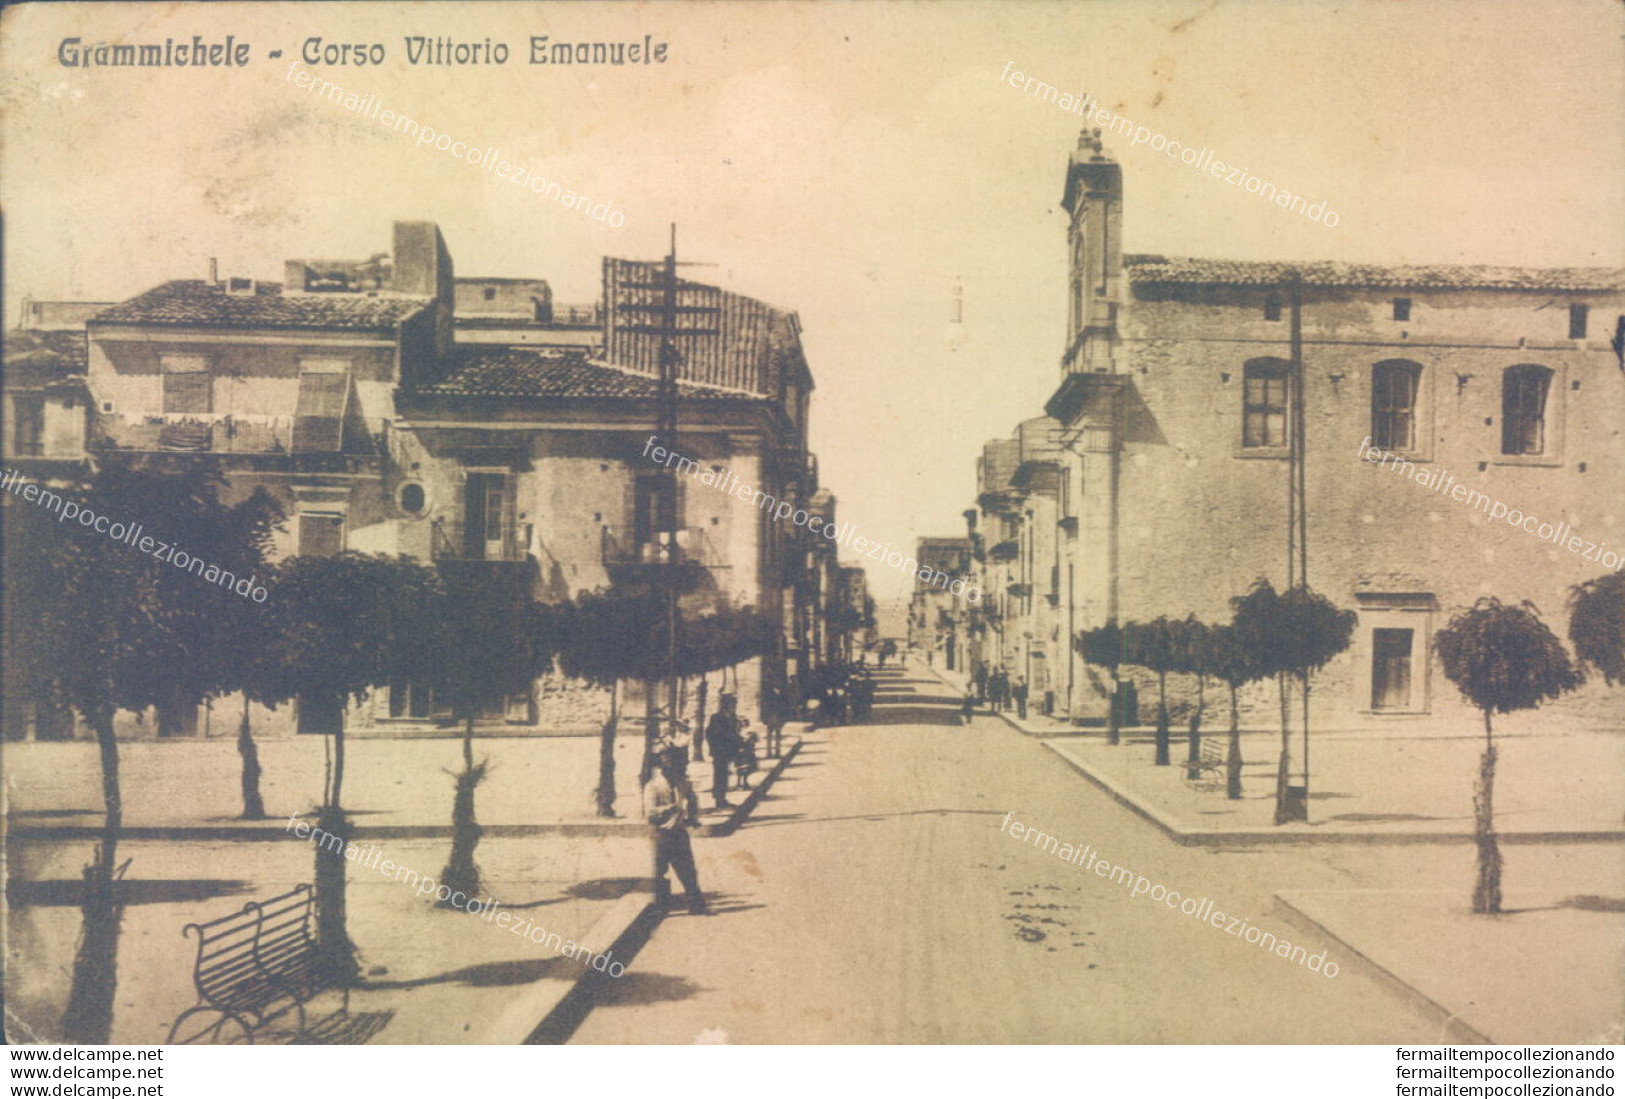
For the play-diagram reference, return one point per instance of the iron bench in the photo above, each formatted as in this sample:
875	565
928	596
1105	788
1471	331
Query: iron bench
252	967
1207	772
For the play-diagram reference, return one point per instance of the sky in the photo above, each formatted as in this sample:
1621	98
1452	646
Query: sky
849	162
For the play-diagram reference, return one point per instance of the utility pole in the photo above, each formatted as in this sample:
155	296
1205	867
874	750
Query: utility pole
665	581
1297	533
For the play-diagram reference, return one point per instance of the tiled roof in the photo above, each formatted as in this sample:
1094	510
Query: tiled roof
54	353
1145	270
554	372
194	303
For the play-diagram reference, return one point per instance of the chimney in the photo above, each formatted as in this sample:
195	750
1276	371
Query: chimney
214	271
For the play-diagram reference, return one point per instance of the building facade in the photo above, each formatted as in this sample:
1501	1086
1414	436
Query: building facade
1162	487
391	407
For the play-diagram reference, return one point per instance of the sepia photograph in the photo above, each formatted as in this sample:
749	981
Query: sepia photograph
1090	524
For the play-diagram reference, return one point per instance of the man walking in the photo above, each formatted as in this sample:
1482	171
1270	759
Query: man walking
722	737
1019	693
773	716
670	807
979	677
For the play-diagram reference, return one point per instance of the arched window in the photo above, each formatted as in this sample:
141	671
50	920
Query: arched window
1524	391
1394	387
1264	403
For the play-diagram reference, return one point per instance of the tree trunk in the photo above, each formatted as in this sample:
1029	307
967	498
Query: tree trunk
1282	773
338	760
1193	752
606	754
461	875
1162	719
335	954
1114	711
651	728
1487	891
1232	763
88	1018
700	692
253	806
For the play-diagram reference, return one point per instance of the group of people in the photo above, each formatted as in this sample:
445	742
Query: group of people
845	694
995	689
672	807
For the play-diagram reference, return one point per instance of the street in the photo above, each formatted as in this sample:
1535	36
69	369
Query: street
873	898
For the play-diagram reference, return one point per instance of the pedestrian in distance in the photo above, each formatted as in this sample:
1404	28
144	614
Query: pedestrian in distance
1019	693
671	808
722	738
979	678
745	764
967	707
773	716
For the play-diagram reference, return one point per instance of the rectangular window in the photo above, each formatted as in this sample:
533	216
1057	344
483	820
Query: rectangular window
487	517
1523	409
1393	406
1577	321
1272	308
1391	669
320	534
324	399
187	384
27	423
1402	309
1264	414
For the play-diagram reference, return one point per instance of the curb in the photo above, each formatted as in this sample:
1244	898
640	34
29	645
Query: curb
548	1010
1455	1032
1188	838
272	831
743	809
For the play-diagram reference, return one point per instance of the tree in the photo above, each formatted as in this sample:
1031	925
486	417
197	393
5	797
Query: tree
489	643
1597	625
614	636
203	633
1502	659
340	627
1228	660
1103	646
1155	646
81	602
611	636
1290	634
1191	657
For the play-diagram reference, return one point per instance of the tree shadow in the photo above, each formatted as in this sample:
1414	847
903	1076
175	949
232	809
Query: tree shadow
1590	902
1385	818
634	989
62	893
484	975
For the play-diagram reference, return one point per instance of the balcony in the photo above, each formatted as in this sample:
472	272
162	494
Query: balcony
450	540
693	546
583	315
1007	550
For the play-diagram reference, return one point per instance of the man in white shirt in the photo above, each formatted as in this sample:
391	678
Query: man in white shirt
670	807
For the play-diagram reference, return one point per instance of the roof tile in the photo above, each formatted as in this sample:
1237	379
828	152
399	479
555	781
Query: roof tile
194	303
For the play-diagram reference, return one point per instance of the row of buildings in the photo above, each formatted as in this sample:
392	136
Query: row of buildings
1154	481
392	407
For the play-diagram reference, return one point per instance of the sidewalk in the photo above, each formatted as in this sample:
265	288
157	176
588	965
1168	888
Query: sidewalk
1368	787
1551	969
429	974
395	789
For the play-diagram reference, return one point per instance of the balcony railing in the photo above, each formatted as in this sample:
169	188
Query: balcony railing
692	545
578	314
448	541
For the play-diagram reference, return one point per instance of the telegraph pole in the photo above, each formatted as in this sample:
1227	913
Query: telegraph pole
665	583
